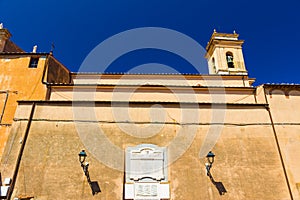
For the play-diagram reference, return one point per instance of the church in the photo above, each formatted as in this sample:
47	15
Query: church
126	136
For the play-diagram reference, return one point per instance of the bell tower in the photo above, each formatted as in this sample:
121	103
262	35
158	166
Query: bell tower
6	45
4	37
224	54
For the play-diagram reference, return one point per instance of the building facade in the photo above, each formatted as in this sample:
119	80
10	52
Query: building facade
148	136
24	76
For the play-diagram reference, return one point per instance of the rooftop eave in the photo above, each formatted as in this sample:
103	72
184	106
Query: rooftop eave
23	53
281	85
223	36
149	87
84	102
81	75
216	42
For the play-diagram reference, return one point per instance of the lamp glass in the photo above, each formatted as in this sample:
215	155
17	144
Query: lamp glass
82	155
210	157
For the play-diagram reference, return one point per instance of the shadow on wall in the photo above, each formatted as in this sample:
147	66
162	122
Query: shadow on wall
95	187
219	185
93	184
298	187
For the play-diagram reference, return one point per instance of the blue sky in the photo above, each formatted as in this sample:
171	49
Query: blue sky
270	30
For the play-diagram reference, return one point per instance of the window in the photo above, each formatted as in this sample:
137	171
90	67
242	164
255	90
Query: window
33	62
214	64
229	58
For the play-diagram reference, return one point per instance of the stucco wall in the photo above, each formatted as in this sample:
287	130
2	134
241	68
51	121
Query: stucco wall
284	104
56	72
17	81
161	79
247	161
21	81
139	93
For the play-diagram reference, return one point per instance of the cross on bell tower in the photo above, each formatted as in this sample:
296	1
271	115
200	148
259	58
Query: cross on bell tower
224	54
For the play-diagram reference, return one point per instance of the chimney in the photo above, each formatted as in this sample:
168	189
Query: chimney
4	37
34	49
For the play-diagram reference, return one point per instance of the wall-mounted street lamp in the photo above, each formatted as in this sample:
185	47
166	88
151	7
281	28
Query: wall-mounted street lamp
210	160
210	157
82	156
85	166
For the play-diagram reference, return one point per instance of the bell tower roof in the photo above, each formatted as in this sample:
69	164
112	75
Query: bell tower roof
223	39
6	45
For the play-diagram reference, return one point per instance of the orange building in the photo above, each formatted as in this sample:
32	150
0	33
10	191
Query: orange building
24	76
